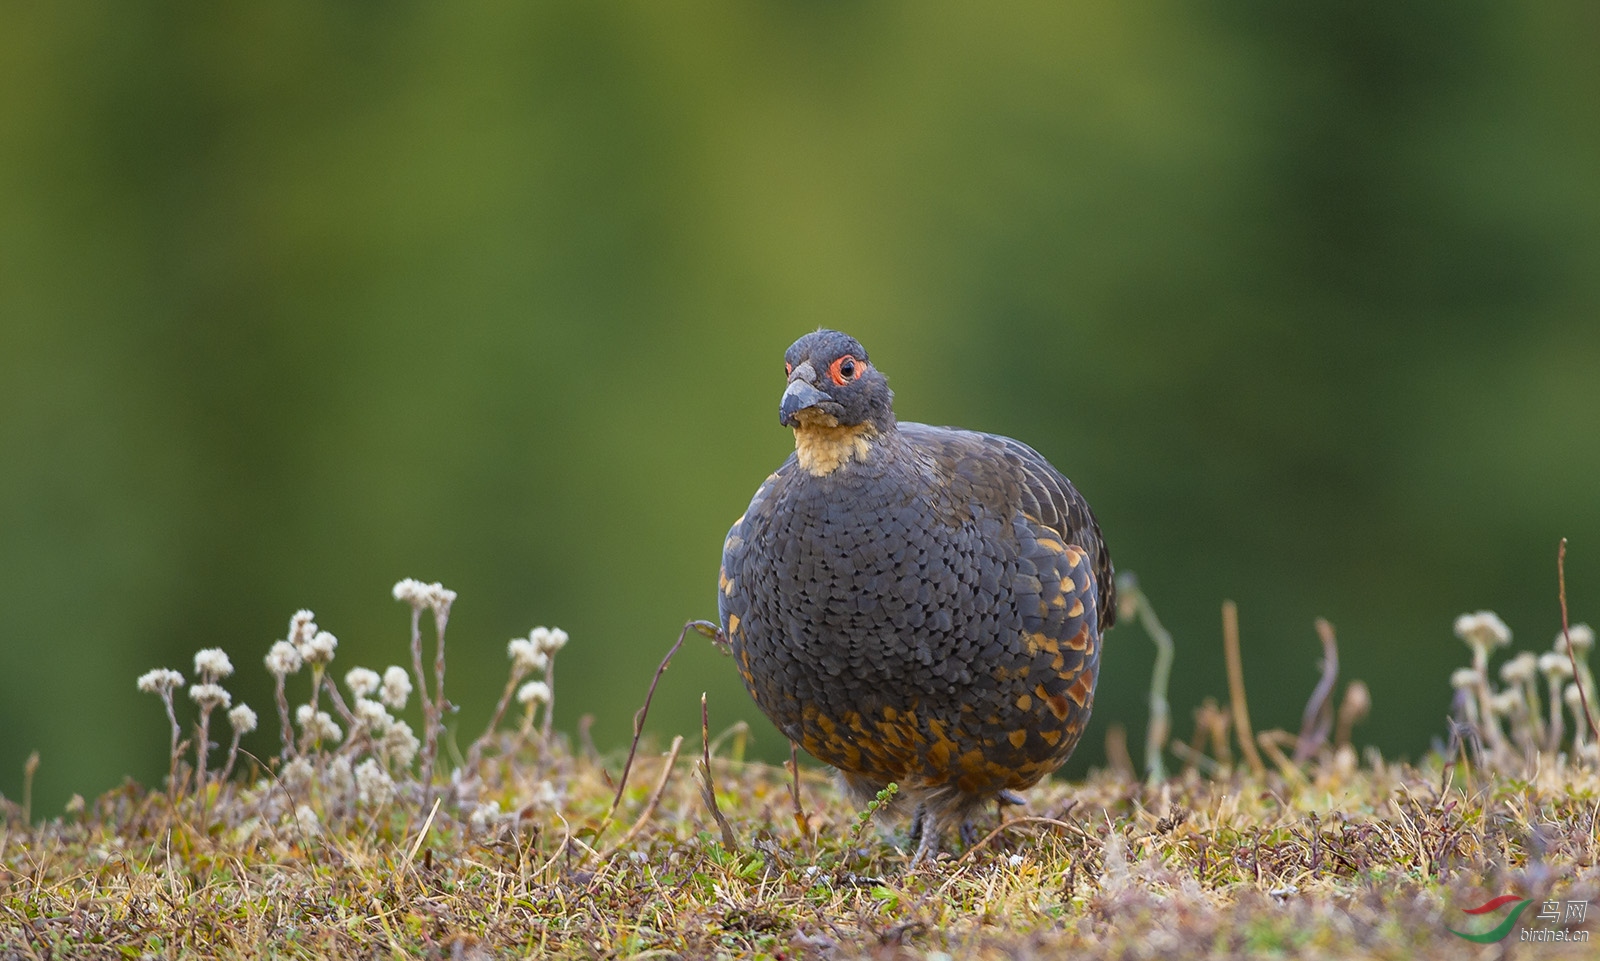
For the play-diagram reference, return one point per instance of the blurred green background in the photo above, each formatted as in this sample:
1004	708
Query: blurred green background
300	299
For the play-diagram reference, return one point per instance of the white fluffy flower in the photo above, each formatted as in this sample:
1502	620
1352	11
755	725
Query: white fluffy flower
1484	629
442	597
548	639
318	724
485	815
396	687
339	778
372	714
212	664
319	650
420	595
1582	640
297	774
307	820
1508	703
302	627
400	744
534	692
1463	678
526	655
283	659
1523	667
210	695
160	681
362	681
373	784
243	719
1555	666
413	592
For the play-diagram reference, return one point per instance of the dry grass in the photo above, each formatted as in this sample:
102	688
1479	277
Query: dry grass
348	846
1372	863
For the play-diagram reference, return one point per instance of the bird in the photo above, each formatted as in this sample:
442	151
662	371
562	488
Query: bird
915	605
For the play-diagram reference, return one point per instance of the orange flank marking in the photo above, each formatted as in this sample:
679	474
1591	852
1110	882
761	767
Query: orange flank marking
1082	689
1017	737
1050	737
1052	545
1038	641
1058	704
1079	641
1025	703
1077	608
1074	556
733	624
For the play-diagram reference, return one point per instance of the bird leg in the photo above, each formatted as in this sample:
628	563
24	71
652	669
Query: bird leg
928	841
918	819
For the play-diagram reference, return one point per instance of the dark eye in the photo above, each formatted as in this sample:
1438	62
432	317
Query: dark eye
844	370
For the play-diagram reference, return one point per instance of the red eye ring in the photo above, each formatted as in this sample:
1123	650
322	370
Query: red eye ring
838	373
788	369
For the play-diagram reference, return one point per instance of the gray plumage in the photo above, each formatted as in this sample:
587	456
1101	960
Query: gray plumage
914	604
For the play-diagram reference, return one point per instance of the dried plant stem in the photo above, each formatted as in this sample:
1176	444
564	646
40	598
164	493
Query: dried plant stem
1317	721
1160	728
476	751
1241	710
548	727
1269	741
202	748
285	728
651	804
430	722
705	628
233	755
29	768
1579	672
441	618
338	701
1117	753
1015	823
708	788
172	759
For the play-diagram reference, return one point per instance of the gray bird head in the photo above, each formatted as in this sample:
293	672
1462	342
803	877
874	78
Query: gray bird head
831	383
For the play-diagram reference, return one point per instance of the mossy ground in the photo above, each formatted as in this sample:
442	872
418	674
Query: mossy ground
1375	862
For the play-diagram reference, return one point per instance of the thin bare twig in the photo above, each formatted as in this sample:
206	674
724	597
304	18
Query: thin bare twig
705	628
1241	710
652	803
1566	633
1317	721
